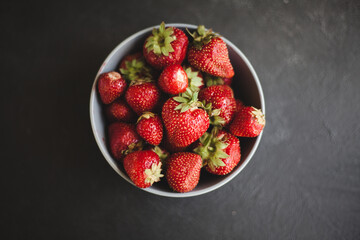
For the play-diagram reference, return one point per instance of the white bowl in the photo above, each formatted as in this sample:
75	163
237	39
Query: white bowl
246	86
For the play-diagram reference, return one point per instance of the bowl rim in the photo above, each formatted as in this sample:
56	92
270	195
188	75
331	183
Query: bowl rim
105	152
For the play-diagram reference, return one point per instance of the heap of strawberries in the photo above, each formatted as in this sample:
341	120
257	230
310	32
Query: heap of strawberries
170	116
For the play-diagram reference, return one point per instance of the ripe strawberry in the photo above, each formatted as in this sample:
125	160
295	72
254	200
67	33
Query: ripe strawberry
173	79
165	46
143	168
119	111
239	105
169	145
183	171
184	121
209	53
227	81
123	139
142	97
220	151
111	86
134	68
248	122
216	90
195	78
150	128
221	99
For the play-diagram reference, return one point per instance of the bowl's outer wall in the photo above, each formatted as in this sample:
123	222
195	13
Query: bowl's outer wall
246	87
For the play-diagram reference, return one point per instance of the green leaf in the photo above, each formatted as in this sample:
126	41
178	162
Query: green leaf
164	51
162	27
222	154
157	49
185	108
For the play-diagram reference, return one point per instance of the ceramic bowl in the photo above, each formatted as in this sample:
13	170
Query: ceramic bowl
246	86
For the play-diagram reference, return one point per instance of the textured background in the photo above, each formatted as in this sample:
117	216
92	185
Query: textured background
302	183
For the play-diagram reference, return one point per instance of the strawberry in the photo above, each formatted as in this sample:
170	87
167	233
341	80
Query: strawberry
134	68
196	81
169	145
119	111
142	97
220	151
239	105
143	168
227	81
123	139
216	90
183	171
184	121
248	122
150	128
165	46
111	86
208	52
221	99
173	79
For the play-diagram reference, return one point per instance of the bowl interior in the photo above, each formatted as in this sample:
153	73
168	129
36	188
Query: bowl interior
246	87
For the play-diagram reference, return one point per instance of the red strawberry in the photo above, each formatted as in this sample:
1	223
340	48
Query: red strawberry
183	120
222	103
173	79
120	111
196	81
142	97
239	105
123	138
248	122
150	128
183	171
165	46
220	151
134	69
227	81
169	145
111	86
143	168
210	54
216	90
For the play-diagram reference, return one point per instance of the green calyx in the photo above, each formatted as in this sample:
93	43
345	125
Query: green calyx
153	174
213	80
195	82
188	101
214	114
133	147
202	36
163	155
160	40
146	115
212	148
136	71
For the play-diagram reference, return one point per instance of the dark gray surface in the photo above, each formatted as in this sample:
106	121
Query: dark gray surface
303	182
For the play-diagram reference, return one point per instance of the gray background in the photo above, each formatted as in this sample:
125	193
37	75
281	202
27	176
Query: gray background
302	183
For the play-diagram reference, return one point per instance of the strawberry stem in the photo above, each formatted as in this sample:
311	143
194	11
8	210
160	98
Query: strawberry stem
154	173
160	40
212	148
201	36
